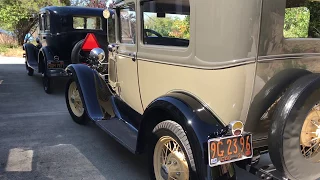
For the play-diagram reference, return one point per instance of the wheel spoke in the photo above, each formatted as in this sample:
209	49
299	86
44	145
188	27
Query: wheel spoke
310	148
315	123
168	153
172	177
317	148
168	148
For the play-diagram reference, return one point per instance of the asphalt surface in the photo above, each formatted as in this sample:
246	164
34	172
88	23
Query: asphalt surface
39	140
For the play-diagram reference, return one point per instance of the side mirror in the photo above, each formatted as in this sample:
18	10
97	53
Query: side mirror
97	55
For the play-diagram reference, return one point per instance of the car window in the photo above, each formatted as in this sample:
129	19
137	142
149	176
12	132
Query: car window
302	19
111	29
87	22
47	22
166	22
128	24
41	22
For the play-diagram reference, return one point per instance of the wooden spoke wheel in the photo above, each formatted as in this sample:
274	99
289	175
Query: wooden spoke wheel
310	133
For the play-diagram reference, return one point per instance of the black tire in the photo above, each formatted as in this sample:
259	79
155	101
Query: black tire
75	58
46	81
175	131
30	71
286	126
269	94
79	120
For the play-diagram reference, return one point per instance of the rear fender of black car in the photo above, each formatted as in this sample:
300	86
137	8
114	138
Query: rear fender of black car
197	121
31	52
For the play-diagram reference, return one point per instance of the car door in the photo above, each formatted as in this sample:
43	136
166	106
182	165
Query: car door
123	60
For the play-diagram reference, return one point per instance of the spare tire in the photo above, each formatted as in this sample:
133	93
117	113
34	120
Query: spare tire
76	53
293	149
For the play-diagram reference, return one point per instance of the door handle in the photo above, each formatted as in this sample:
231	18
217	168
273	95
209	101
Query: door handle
113	47
133	56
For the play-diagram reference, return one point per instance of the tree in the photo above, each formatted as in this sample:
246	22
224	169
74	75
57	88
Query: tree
97	3
20	16
303	21
177	26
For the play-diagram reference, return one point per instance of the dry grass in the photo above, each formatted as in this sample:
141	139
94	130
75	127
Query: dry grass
5	39
9	47
13	52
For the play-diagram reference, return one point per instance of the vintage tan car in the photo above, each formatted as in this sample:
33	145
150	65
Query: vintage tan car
205	86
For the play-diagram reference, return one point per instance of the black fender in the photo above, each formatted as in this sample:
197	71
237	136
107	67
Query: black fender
198	122
271	91
31	52
92	89
45	54
48	53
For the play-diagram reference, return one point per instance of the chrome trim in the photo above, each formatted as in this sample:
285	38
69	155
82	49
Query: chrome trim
287	56
214	66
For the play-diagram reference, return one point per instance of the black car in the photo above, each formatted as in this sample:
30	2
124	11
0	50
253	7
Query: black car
65	36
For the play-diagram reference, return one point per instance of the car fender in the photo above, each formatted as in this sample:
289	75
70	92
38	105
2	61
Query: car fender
48	53
31	52
198	122
45	55
269	94
92	89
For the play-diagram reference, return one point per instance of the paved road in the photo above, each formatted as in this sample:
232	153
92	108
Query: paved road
39	140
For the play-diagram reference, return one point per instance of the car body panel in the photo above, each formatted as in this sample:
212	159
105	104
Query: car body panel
226	92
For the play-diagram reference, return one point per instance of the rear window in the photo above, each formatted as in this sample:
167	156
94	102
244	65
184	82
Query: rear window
302	19
87	23
166	22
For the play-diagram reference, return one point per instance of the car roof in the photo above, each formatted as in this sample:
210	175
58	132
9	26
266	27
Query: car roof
70	10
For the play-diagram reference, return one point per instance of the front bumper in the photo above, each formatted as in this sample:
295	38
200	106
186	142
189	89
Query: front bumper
57	73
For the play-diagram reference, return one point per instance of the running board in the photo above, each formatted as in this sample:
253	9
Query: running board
121	131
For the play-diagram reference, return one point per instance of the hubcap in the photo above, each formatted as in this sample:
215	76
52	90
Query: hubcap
169	161
310	133
75	101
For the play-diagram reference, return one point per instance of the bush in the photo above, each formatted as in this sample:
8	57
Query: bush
8	40
9	46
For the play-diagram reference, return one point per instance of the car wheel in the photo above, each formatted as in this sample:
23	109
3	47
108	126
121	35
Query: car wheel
170	154
74	103
77	55
46	83
294	136
30	71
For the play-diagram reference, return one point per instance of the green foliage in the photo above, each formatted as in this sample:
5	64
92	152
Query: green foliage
17	15
303	22
13	11
296	22
169	26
